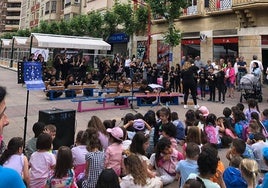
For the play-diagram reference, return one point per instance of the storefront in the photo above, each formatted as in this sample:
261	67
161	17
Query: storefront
119	43
225	47
190	47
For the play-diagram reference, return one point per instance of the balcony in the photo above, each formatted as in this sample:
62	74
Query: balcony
242	4
192	11
213	7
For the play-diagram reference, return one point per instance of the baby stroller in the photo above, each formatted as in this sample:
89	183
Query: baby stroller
250	88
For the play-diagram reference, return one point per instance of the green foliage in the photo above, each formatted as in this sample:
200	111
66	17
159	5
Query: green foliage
125	17
172	36
94	25
170	10
110	23
64	28
7	35
53	28
43	27
23	33
78	25
141	17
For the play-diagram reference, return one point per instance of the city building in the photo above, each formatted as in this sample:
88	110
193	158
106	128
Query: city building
9	15
214	29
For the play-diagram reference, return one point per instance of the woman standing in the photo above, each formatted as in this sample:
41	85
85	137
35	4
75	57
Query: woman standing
230	79
189	83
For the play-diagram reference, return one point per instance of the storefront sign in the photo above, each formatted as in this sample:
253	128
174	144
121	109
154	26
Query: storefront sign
118	38
190	41
225	40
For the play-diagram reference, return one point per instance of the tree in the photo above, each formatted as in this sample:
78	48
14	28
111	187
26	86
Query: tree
94	25
64	28
110	23
169	10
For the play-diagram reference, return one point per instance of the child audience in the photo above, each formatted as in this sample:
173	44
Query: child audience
185	167
63	175
42	161
98	158
14	158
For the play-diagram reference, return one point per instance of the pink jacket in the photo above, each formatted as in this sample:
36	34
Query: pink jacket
231	74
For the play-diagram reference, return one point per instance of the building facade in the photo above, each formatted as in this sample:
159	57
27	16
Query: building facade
9	15
215	29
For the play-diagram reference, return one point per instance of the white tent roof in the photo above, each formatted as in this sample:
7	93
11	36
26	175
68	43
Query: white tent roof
62	41
20	42
6	43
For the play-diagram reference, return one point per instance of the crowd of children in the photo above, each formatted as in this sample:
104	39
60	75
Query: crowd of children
150	151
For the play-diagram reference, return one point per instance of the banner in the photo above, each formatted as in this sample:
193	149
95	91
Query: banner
37	51
33	76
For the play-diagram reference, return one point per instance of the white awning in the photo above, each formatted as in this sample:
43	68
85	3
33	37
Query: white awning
20	42
6	43
62	41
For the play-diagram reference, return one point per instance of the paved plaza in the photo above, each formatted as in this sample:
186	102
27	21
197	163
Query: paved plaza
16	108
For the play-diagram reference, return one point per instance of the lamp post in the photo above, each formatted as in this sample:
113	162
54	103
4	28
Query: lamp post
136	2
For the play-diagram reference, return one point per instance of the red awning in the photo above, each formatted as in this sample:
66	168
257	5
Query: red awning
190	41
264	40
225	40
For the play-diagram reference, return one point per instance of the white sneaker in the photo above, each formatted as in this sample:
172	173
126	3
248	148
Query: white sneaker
185	106
196	106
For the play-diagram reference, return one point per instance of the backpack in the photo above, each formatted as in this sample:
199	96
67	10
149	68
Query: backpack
241	129
211	134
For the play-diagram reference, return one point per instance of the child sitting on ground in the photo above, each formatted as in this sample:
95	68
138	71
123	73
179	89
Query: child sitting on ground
189	165
232	174
164	160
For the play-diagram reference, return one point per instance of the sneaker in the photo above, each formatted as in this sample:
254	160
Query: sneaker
222	102
185	106
196	106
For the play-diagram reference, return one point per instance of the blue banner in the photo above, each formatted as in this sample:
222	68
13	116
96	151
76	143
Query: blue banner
33	76
118	38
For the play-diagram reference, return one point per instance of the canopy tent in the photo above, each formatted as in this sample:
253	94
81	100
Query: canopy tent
20	42
62	41
6	43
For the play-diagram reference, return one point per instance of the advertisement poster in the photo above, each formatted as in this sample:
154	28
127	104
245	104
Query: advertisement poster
162	53
141	49
38	51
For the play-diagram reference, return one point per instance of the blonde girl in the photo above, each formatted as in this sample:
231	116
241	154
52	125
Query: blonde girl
249	169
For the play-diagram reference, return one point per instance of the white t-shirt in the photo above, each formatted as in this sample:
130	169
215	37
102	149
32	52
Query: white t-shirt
79	154
127	62
41	164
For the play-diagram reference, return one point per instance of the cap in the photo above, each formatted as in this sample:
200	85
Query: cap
116	132
204	110
138	124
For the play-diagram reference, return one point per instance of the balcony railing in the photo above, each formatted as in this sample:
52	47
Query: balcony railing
248	2
218	5
191	10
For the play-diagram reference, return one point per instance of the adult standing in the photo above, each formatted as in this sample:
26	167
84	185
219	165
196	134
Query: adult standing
242	70
230	79
255	60
9	177
198	62
189	83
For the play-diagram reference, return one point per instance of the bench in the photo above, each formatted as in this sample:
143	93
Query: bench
104	105
174	98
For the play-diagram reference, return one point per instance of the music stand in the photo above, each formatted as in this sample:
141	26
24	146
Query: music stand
33	80
158	87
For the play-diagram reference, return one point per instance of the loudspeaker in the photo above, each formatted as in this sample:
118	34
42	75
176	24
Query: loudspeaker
64	120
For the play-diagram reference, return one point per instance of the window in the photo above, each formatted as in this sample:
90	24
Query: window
53	6
47	8
67	3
